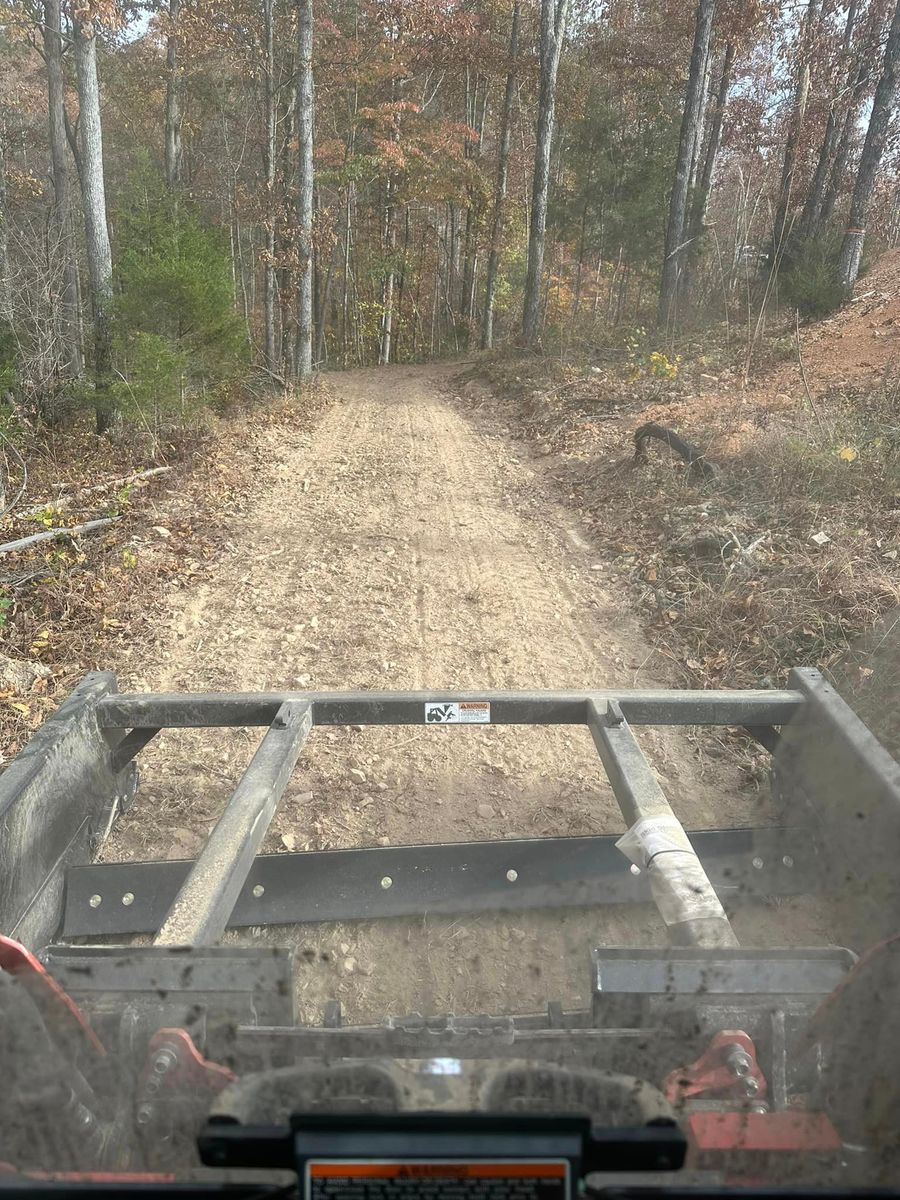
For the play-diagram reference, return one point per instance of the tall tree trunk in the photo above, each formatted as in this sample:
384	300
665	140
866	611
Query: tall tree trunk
270	162
475	118
322	306
305	188
701	194
285	233
870	160
697	149
678	202
60	211
6	299
345	286
493	265
554	14
173	98
842	154
792	142
96	231
390	246
812	207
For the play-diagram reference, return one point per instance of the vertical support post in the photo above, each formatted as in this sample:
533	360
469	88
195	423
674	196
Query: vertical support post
681	888
200	911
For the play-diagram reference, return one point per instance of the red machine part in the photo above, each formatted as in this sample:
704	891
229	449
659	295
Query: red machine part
726	1068
60	1012
174	1064
762	1133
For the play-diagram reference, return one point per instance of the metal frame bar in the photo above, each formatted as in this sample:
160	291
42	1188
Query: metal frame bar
372	883
131	745
73	770
684	894
55	797
681	888
647	707
200	911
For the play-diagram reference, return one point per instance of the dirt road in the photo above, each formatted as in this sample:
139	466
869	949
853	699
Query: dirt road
403	544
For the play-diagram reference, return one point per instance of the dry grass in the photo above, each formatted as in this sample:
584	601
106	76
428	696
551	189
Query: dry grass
734	588
74	605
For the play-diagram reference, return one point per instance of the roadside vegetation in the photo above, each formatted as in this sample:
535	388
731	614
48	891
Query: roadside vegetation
641	210
786	557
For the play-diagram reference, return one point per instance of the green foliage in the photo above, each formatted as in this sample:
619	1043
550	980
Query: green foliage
809	281
151	386
620	173
9	348
647	362
178	338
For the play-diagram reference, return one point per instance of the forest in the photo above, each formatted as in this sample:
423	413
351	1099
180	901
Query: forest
205	199
218	218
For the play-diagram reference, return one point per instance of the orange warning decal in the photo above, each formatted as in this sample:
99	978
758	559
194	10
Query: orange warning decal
442	1170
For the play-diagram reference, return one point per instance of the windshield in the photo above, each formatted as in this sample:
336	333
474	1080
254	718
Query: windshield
449	614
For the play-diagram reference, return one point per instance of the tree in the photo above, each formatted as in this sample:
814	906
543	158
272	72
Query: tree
676	227
6	304
842	155
93	194
60	210
554	14
795	128
700	198
305	103
870	160
493	265
812	207
173	98
270	163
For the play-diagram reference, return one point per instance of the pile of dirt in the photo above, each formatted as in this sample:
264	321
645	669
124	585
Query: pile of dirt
861	341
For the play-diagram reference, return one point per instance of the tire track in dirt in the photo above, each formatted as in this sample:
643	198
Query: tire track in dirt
381	552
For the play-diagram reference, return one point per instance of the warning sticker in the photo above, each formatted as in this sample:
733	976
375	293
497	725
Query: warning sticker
465	712
488	1179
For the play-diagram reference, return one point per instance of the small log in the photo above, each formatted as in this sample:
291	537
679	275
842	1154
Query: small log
49	534
64	501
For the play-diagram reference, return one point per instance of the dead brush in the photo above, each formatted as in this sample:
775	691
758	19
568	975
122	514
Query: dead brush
767	596
804	608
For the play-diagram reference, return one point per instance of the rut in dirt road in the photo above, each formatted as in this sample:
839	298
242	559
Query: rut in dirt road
399	545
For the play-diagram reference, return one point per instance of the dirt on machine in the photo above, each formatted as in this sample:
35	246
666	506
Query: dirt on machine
142	998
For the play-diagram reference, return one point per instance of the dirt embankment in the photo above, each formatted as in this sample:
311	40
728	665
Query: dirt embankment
792	553
402	543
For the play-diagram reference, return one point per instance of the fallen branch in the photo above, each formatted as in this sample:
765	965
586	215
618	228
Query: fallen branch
64	501
694	457
49	534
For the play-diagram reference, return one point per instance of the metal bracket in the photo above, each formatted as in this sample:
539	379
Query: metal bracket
340	885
